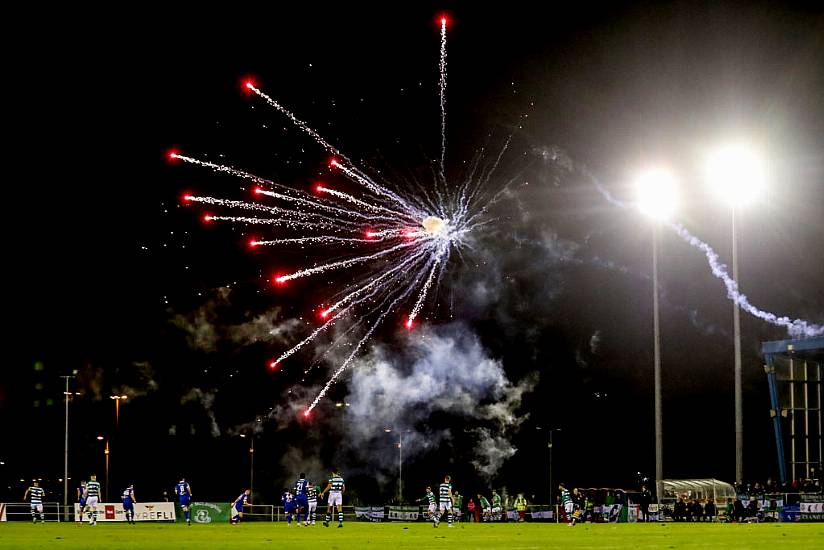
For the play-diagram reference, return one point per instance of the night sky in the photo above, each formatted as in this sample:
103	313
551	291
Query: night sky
111	276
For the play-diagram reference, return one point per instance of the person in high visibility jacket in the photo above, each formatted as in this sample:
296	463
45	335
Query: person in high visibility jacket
520	506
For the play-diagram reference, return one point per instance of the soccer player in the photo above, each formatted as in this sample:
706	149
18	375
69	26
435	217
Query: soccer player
92	498
289	505
497	506
457	505
433	505
184	496
81	497
312	499
568	504
36	493
444	501
128	503
237	506
485	506
301	499
335	488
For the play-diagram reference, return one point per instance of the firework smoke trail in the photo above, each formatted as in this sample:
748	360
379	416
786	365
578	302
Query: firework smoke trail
795	327
442	85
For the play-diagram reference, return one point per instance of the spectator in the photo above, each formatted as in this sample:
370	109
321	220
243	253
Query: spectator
710	511
520	506
752	509
738	511
696	510
679	511
644	500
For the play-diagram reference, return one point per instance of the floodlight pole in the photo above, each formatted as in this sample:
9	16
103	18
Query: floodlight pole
66	454
659	431
252	467
736	324
400	465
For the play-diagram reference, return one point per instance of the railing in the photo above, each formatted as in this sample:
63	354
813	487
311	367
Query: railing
21	511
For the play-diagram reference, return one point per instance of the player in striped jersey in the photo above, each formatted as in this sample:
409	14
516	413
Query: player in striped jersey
36	493
92	498
312	499
497	506
128	503
432	500
184	496
568	504
444	501
335	488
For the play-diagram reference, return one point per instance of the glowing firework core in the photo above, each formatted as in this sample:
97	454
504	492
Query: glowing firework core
434	226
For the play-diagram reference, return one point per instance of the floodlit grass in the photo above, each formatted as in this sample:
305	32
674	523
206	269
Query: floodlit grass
414	536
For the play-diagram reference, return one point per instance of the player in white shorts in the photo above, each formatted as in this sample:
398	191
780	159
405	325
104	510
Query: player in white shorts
92	498
36	493
432	500
444	501
335	488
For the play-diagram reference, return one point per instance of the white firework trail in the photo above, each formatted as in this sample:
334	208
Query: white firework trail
795	327
395	245
442	86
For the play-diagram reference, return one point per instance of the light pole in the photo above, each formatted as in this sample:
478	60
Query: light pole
106	455
656	198
67	394
738	177
400	461
550	447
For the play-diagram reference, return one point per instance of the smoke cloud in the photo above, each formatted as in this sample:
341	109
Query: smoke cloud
440	370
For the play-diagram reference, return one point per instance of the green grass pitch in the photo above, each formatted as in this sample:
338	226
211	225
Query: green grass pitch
414	536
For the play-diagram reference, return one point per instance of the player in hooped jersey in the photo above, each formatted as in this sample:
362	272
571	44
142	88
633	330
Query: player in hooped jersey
128	503
335	488
36	493
92	498
312	499
184	496
568	504
444	501
301	498
432	503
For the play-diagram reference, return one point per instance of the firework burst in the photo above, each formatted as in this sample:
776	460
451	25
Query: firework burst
401	243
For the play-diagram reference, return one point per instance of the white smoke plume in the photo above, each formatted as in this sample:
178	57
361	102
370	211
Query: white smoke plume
207	400
443	369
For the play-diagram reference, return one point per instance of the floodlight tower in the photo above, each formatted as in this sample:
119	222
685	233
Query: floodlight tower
656	197
737	175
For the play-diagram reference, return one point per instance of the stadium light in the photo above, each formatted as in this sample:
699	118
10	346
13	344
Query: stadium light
656	197
736	174
656	193
117	399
